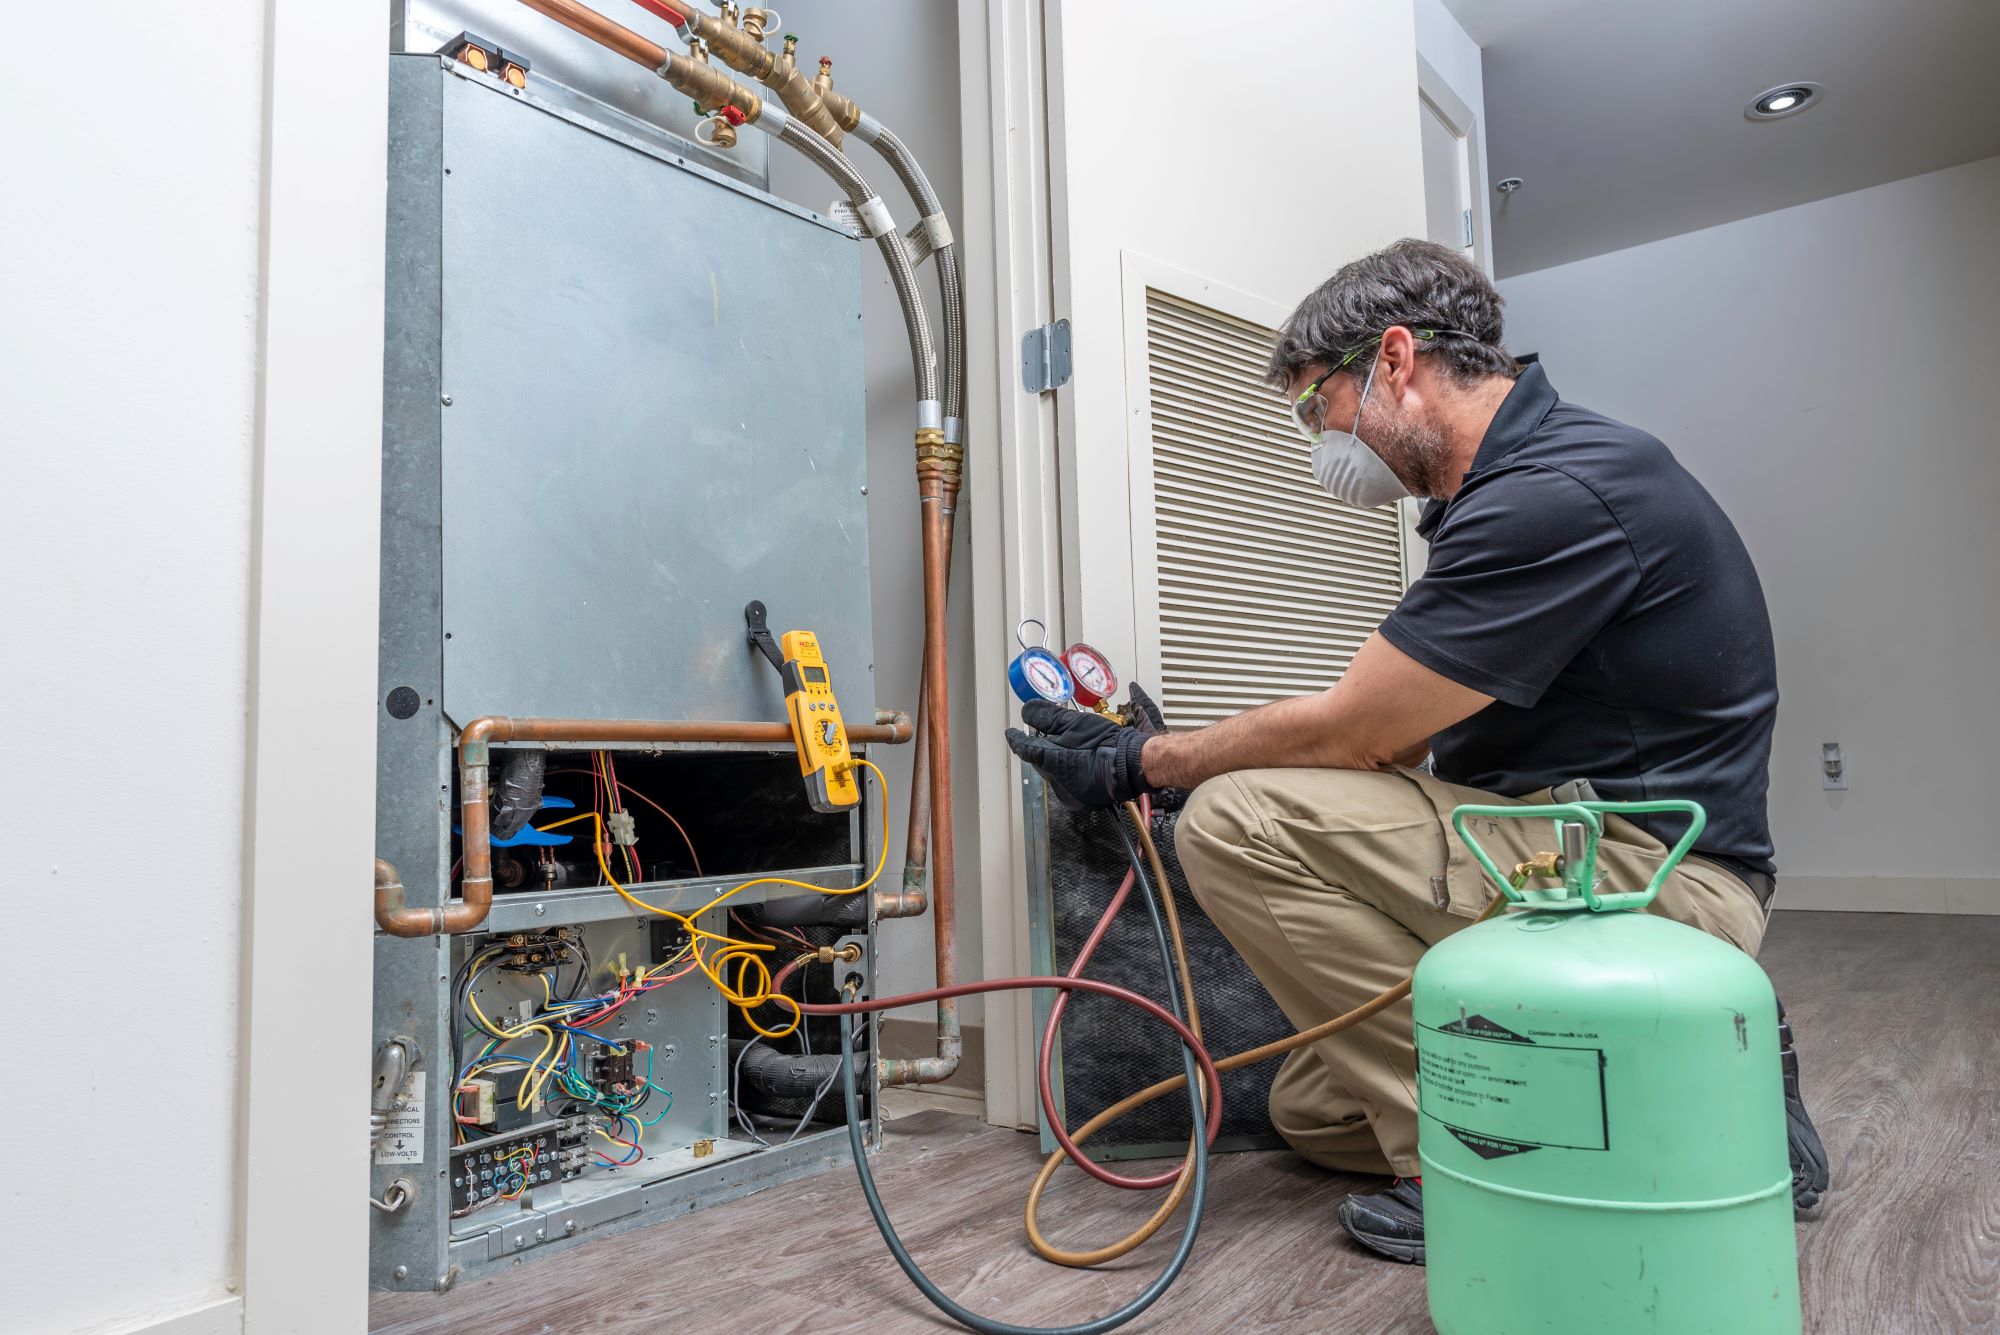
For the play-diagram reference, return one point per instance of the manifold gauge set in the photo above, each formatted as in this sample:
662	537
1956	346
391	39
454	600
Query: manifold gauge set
1080	675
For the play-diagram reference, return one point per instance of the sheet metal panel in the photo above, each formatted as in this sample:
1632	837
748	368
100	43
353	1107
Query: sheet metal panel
570	69
655	415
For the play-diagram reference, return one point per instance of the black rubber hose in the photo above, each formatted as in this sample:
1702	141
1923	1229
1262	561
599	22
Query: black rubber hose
1197	1197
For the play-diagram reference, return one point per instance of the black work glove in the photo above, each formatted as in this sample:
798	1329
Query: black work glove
1088	759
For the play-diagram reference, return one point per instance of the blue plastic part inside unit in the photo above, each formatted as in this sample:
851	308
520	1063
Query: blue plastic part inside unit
530	837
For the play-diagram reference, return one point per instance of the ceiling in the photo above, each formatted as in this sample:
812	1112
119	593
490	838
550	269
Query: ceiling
1625	119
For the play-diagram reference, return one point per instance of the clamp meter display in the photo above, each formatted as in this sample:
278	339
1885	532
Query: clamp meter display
1091	674
1036	674
817	729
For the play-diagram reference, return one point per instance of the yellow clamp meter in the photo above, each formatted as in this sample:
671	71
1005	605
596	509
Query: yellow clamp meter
817	730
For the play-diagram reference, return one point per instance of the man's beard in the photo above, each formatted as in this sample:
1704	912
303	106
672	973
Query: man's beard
1416	452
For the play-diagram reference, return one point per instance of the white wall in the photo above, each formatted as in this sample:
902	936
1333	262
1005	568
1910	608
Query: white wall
899	60
1154	159
1827	371
129	271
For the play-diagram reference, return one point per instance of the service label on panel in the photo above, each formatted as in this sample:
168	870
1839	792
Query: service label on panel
403	1138
1503	1093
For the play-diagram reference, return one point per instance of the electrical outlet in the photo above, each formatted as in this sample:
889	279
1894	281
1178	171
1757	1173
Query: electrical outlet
1832	767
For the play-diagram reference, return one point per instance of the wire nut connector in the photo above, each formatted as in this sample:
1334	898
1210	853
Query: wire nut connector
624	830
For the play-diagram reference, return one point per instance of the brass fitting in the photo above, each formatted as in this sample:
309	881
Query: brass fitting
742	49
1542	864
721	134
710	88
703	1148
939	458
846	954
845	114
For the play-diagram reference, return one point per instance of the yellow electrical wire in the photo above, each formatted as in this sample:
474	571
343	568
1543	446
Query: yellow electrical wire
538	1075
747	956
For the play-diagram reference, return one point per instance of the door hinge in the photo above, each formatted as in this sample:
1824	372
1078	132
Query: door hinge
1465	217
1045	357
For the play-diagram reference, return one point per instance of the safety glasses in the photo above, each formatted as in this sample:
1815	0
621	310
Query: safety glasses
1309	408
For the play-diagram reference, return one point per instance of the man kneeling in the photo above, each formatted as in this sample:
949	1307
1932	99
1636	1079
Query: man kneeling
1587	612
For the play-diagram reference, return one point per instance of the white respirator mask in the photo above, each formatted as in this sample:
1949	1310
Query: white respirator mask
1342	462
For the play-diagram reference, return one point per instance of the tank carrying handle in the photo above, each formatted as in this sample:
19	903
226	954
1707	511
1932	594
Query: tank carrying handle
1579	873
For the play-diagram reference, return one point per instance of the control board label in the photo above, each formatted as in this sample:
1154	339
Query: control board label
1502	1093
403	1137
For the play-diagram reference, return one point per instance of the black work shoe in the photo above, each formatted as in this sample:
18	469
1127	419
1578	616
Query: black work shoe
1388	1222
1811	1174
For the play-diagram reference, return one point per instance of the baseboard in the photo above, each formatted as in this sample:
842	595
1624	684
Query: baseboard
212	1316
1890	894
906	1037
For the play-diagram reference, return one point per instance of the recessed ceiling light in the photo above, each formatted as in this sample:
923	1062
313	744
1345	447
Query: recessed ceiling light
1787	99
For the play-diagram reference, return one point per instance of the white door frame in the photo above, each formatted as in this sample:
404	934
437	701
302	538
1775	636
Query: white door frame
1463	122
1012	499
309	819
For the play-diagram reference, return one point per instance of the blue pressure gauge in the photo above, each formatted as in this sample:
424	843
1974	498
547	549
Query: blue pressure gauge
1037	674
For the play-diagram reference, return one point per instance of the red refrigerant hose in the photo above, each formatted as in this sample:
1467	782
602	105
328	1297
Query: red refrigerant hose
1045	1062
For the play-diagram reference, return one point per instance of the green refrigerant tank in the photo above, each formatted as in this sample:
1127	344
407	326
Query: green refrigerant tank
1602	1121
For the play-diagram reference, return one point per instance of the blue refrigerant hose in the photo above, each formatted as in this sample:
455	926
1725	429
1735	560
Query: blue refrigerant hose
1152	1293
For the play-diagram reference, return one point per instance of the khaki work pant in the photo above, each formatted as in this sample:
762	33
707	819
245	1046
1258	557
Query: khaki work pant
1332	882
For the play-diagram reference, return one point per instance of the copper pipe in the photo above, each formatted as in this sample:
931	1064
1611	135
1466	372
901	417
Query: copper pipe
474	761
910	901
938	466
895	730
614	36
393	917
710	88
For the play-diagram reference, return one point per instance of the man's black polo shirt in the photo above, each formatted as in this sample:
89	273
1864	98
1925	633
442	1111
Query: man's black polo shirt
1583	579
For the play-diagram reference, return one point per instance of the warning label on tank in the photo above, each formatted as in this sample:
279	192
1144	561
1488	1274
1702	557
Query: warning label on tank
1503	1093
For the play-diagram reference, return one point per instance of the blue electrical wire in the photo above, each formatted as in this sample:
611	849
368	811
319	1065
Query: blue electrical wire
1196	1198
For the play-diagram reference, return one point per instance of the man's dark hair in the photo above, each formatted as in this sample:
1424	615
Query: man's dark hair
1418	284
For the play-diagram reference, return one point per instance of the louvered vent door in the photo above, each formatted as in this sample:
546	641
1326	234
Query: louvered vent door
1267	584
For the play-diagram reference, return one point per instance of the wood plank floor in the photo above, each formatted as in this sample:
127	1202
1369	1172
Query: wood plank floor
1899	1027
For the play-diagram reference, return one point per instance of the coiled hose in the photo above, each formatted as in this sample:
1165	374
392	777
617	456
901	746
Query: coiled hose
1200	1078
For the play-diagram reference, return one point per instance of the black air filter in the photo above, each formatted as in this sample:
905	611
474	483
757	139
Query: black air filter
1109	1049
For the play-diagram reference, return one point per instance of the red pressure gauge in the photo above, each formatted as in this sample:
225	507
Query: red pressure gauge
1091	674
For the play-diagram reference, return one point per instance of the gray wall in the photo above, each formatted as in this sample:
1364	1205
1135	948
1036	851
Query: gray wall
899	60
1829	373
